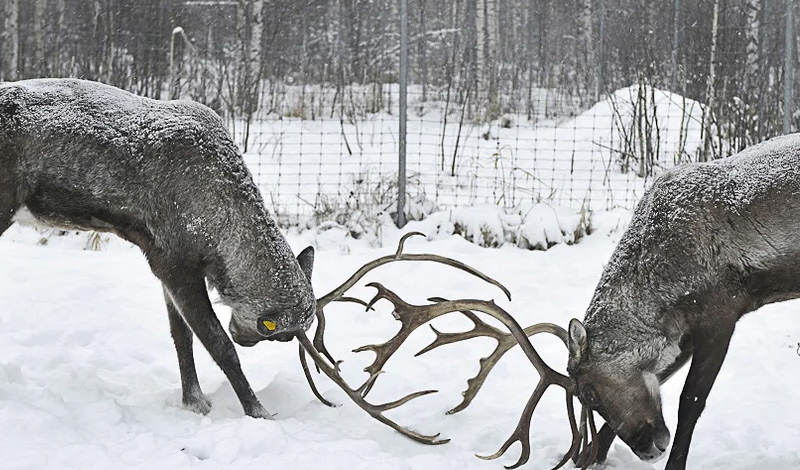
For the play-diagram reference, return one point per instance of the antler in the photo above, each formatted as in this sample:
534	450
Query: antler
413	316
326	364
505	341
337	294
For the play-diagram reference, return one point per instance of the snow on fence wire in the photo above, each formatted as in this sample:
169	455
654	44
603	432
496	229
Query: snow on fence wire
311	159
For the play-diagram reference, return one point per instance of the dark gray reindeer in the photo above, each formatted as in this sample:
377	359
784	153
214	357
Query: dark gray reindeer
167	177
707	244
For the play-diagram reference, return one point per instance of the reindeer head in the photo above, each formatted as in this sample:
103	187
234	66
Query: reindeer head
284	316
622	392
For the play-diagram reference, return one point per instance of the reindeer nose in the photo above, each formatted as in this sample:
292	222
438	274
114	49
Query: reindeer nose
661	439
241	337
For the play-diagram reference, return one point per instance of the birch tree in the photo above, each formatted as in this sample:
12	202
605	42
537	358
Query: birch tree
480	48
10	59
487	28
753	31
587	41
249	26
38	65
710	86
422	43
60	8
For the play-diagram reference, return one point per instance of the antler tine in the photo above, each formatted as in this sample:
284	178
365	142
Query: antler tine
588	449
577	437
594	447
307	372
521	433
400	256
376	411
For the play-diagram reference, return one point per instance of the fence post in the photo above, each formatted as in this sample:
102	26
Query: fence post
400	220
788	69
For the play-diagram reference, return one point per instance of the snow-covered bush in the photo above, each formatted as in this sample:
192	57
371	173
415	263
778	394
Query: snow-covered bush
532	226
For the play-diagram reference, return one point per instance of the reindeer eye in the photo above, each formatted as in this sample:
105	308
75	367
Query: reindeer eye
590	397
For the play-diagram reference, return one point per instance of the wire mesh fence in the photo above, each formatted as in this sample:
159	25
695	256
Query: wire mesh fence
510	102
309	166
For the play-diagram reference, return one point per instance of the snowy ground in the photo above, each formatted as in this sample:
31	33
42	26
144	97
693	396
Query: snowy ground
89	379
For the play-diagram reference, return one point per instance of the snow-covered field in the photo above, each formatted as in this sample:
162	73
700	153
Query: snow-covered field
89	377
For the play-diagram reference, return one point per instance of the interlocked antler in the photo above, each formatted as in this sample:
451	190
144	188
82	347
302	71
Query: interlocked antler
319	352
337	294
413	316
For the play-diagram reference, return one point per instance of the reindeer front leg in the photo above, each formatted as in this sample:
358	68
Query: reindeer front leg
710	347
185	288
193	397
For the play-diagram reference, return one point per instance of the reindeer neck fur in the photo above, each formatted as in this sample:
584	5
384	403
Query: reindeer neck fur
253	268
707	243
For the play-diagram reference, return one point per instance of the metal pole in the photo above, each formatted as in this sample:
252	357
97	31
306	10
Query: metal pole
788	70
400	221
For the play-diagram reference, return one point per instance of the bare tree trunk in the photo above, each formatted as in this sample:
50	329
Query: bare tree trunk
486	27
530	54
710	86
249	29
257	27
61	6
109	60
587	41
38	67
752	9
544	56
752	81
469	70
491	62
10	59
480	49
422	43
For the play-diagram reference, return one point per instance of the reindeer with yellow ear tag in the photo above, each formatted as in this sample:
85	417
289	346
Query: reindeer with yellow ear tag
166	176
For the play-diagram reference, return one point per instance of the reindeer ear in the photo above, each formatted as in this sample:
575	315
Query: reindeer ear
577	341
306	260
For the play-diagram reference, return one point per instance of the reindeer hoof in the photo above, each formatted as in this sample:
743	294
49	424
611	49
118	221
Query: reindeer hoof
197	403
259	412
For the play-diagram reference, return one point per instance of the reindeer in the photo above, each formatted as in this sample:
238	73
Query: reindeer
167	177
708	243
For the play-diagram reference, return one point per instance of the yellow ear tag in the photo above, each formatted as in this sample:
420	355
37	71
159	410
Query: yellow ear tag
270	325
